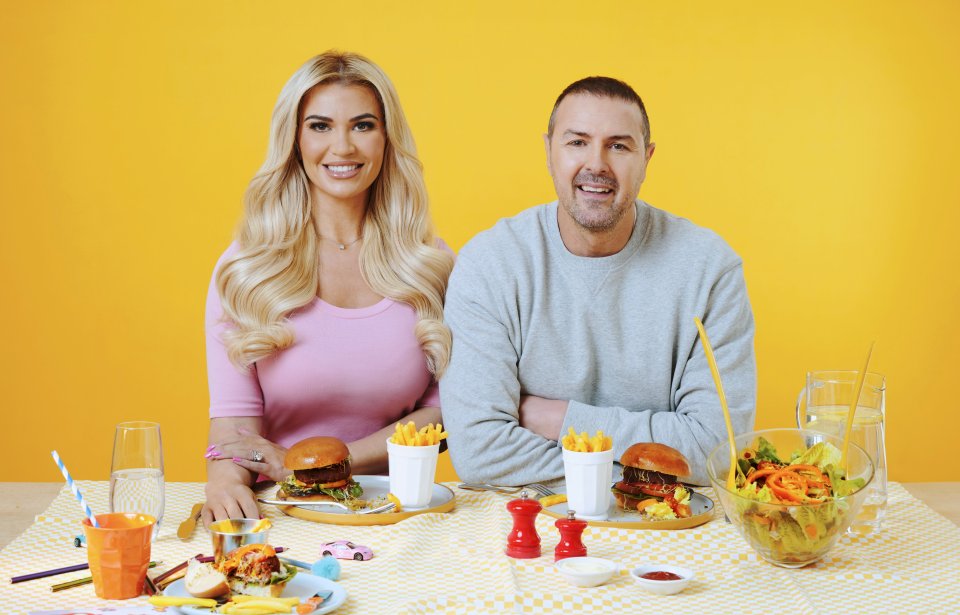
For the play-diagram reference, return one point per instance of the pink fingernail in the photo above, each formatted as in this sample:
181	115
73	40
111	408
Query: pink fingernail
237	459
211	447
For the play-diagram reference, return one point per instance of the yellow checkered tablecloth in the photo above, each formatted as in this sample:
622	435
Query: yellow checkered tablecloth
454	563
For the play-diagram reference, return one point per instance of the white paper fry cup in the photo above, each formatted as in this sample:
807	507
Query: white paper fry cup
412	471
588	477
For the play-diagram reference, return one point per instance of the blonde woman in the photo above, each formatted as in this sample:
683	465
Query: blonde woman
325	316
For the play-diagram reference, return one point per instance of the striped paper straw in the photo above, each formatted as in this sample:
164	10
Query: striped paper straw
75	489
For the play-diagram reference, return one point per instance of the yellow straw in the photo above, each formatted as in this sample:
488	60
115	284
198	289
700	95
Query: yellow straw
857	389
708	350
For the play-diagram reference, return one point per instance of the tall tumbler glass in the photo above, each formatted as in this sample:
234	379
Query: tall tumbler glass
823	406
136	474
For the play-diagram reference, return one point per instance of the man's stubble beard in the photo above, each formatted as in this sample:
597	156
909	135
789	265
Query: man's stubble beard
598	219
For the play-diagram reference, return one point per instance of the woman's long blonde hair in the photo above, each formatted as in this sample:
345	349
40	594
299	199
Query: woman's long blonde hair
276	270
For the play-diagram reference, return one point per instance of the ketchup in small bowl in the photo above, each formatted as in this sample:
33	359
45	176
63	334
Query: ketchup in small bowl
662	580
661	575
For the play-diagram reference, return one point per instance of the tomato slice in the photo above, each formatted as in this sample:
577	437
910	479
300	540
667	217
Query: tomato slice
660	491
335	484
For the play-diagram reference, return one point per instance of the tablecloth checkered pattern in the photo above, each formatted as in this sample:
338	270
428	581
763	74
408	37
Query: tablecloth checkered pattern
454	563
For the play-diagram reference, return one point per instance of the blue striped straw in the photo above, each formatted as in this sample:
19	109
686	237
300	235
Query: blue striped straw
75	489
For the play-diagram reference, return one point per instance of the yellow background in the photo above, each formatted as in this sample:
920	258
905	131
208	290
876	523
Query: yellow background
820	139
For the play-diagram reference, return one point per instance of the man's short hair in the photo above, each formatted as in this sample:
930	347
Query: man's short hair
603	87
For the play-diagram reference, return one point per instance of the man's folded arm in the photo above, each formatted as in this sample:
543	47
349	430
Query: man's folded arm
696	426
480	391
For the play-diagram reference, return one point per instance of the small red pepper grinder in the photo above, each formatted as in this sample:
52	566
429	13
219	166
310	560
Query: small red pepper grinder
571	544
523	541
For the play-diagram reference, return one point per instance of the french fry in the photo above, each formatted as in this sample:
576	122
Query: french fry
281	601
240	609
258	605
584	443
181	601
550	500
409	435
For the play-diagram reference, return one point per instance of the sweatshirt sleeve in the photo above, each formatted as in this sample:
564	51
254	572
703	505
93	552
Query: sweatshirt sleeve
696	425
233	392
480	390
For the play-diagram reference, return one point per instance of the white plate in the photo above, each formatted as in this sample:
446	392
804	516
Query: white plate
701	511
441	500
302	586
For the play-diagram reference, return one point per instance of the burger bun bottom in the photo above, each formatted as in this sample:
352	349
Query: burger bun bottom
255	589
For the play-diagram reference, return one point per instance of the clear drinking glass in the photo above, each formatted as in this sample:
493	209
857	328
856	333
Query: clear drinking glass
823	406
136	473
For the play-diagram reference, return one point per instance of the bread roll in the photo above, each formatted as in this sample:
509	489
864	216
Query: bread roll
202	580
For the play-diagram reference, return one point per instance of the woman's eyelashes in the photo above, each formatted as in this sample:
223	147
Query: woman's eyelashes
364	126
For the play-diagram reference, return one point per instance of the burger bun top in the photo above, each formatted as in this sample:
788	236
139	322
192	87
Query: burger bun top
316	452
656	457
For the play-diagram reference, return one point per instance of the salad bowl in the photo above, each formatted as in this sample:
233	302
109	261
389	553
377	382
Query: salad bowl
793	499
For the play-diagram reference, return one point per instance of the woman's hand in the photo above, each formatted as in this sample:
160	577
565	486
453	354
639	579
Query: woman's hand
251	451
228	498
228	491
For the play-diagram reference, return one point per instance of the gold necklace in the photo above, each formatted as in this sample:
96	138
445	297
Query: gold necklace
341	246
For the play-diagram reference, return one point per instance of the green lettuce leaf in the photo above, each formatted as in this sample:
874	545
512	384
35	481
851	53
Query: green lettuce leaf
841	486
352	490
820	454
766	451
283	575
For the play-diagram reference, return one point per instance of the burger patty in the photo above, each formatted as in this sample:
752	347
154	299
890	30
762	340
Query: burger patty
636	475
254	567
657	490
326	474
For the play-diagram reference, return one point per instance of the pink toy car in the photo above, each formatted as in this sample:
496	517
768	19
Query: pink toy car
344	549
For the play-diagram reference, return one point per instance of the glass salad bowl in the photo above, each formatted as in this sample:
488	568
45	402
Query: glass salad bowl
791	522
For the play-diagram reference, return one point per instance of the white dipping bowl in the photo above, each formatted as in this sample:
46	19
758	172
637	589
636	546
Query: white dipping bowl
662	588
586	571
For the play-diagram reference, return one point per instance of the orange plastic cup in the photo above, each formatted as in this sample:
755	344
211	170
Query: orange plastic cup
118	553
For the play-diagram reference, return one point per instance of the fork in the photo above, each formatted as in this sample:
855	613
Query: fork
484	487
541	489
537	487
365	511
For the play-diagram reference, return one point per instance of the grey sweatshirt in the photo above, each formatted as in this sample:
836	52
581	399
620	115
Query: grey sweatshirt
613	335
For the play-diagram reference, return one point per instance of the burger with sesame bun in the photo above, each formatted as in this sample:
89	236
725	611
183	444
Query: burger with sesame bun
651	481
321	471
